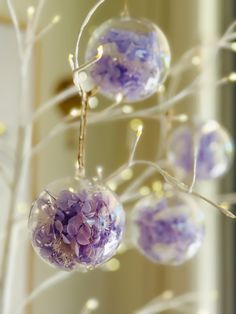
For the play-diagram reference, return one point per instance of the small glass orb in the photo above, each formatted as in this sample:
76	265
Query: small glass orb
215	150
76	224
168	229
136	58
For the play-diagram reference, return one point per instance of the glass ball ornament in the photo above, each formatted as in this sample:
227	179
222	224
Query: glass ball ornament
136	58
76	224
168	229
215	150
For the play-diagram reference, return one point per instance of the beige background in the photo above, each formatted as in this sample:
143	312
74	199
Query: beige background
186	23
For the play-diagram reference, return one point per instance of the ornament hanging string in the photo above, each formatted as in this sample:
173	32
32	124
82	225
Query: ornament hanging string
76	69
125	12
82	136
80	169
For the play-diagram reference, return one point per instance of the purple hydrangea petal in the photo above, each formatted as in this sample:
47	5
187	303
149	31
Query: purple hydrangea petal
76	248
135	60
71	230
88	210
84	227
215	150
59	226
63	199
65	239
168	235
84	235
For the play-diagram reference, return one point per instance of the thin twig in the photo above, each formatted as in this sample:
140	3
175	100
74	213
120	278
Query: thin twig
88	64
109	109
50	104
38	12
45	285
77	48
17	27
160	306
99	117
82	29
230	29
196	146
135	145
24	136
47	29
174	182
136	184
150	113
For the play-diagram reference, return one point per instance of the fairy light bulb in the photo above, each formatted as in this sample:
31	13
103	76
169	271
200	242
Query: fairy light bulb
135	58
168	229
214	145
76	223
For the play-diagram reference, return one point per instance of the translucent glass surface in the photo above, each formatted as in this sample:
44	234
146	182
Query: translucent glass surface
168	230
76	223
135	61
215	150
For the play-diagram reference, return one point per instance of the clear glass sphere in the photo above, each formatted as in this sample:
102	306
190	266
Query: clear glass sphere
135	61
215	150
76	223
168	230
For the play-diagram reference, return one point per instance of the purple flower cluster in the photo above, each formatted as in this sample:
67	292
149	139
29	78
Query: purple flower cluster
167	230
215	150
76	229
135	61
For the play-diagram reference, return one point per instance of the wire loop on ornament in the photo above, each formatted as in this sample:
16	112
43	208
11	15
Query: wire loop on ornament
88	64
50	194
125	12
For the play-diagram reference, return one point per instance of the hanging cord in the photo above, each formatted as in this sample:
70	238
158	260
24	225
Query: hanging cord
76	69
125	12
80	171
85	96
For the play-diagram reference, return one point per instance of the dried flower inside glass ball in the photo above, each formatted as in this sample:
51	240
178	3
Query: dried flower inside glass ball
76	224
136	58
214	145
168	230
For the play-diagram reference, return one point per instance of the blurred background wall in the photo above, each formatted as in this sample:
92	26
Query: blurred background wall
228	273
186	23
